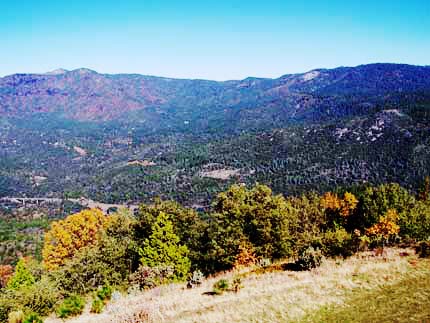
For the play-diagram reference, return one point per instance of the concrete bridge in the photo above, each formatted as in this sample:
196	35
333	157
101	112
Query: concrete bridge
84	202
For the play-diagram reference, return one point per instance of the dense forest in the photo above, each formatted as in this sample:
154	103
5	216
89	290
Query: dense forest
132	138
116	164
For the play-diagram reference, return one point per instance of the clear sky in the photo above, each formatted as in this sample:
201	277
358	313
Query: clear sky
222	39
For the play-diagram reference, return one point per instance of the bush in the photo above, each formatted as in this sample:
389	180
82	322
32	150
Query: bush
246	256
423	249
21	277
6	272
32	318
116	296
376	201
187	225
5	305
415	222
307	220
196	278
40	298
92	267
309	258
220	286
71	306
97	306
337	242
264	262
104	293
146	277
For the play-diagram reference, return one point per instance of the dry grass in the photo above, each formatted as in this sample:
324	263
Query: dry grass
272	297
407	301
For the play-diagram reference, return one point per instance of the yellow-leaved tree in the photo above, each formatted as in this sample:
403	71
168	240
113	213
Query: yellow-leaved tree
386	227
343	206
68	236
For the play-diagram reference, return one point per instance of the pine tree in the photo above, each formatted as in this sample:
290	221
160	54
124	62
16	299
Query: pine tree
162	248
22	276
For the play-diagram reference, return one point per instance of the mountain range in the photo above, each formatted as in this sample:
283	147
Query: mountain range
86	95
131	138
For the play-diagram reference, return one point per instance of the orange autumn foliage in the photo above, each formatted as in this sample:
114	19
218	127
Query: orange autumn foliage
246	256
344	206
6	272
386	226
330	201
68	236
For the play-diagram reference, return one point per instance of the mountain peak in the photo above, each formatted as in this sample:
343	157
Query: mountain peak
83	71
58	71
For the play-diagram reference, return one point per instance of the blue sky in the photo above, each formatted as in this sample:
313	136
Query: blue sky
210	39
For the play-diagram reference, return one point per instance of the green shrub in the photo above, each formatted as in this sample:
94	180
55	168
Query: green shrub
110	261
309	258
88	269
337	242
97	306
32	318
415	221
307	220
187	225
40	298
21	277
71	306
220	286
376	201
104	293
6	305
16	317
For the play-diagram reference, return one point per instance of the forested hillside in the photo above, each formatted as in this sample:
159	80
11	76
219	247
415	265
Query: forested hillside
119	164
131	138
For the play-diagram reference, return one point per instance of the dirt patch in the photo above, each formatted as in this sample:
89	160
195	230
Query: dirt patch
223	174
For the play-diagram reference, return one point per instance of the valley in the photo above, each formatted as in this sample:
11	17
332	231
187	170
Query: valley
214	161
241	173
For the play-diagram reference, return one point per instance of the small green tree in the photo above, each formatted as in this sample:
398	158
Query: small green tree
187	225
162	248
21	277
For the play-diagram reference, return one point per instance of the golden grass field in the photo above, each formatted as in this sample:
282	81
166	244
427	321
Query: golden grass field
336	288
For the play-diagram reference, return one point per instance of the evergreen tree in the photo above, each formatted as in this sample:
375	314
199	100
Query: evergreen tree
22	276
162	248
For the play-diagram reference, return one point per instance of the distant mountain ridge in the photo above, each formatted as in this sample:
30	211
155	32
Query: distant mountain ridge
86	95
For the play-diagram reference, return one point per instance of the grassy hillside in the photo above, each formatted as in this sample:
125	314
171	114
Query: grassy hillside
408	300
262	253
363	288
